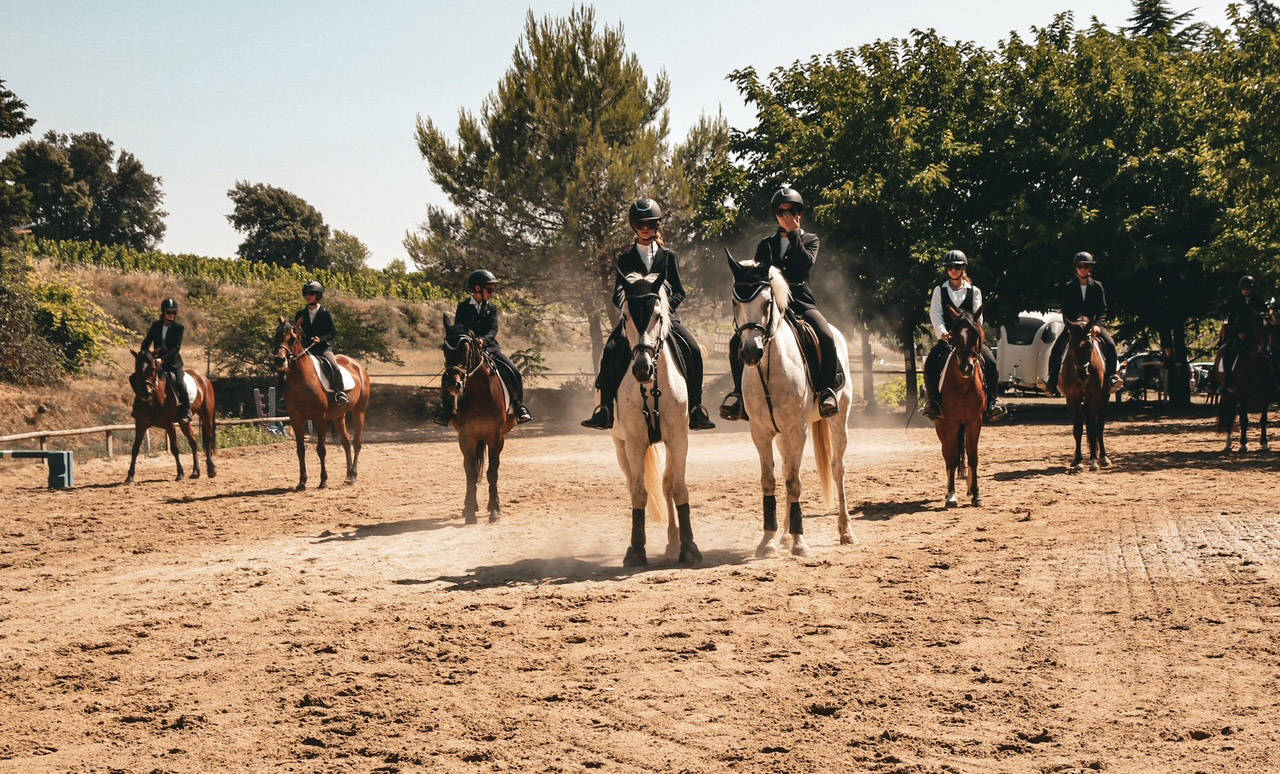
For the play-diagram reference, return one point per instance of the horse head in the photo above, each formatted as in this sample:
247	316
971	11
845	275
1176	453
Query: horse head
461	357
1080	344
145	376
287	344
646	312
760	295
967	338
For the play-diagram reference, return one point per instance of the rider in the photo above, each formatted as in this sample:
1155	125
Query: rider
649	255
319	332
1236	335
1084	297
794	251
479	317
957	293
165	336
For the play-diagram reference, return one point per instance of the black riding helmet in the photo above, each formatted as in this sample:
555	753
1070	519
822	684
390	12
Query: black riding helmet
644	209
1246	282
955	258
787	195
1084	259
480	277
313	287
168	304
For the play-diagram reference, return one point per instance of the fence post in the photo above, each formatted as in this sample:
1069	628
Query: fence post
110	449
44	443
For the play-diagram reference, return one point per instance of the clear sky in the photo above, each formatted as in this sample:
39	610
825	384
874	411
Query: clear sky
321	97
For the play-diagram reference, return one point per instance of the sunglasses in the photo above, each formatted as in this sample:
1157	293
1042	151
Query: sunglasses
651	225
955	268
787	211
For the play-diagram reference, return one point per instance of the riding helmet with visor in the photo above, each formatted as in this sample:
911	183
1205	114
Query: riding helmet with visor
313	287
480	277
1246	282
168	305
955	258
1084	259
644	209
787	195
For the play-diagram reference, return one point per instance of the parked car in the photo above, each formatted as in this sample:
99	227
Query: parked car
1022	350
1202	376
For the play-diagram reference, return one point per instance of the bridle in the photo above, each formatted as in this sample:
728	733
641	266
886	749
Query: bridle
744	292
472	359
290	349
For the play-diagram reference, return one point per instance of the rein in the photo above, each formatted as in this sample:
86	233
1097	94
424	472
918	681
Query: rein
768	330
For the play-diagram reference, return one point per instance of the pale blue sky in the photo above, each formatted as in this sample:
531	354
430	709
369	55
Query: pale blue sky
321	98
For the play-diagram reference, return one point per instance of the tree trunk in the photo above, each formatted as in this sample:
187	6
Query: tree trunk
909	357
868	373
597	336
1177	369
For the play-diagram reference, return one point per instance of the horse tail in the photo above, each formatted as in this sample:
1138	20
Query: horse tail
655	464
822	456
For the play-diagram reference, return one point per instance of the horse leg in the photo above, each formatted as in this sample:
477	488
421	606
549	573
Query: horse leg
300	438
769	487
680	528
191	441
1244	425
1103	459
322	427
357	437
961	468
839	444
1263	444
792	452
340	427
631	460
209	439
472	459
1077	428
138	432
495	459
1091	428
971	447
172	432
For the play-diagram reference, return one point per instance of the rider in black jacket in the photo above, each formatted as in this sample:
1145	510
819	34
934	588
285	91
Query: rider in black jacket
165	337
794	251
1237	334
1084	297
479	316
648	255
319	332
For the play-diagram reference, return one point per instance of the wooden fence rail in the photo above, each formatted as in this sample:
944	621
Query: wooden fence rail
43	436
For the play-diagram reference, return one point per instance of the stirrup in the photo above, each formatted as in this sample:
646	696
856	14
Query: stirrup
442	417
601	419
731	408
996	411
698	419
340	397
932	410
522	414
828	406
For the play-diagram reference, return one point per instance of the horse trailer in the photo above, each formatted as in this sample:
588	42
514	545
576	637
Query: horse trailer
1022	354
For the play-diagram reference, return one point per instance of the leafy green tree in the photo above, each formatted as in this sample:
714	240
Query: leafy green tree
80	189
878	139
26	356
541	179
1154	19
15	200
241	345
68	317
347	253
280	228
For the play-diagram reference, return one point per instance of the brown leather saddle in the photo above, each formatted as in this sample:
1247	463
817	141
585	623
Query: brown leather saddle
811	352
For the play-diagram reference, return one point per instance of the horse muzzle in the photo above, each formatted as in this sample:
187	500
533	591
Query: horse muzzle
644	368
751	352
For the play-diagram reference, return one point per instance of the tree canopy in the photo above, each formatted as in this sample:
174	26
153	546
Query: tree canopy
280	228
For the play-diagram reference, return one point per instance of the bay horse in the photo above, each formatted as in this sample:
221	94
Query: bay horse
308	401
964	397
1253	383
156	405
1083	383
652	417
481	414
783	406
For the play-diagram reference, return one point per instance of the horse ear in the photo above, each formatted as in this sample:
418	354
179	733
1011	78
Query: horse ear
282	320
977	314
447	322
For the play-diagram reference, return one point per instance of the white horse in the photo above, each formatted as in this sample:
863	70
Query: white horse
782	405
653	408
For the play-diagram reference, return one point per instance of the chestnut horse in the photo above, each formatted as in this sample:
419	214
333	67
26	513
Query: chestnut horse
156	405
481	414
1253	383
1083	383
964	396
308	401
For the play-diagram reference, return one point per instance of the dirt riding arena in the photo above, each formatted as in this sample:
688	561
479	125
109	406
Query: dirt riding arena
1125	620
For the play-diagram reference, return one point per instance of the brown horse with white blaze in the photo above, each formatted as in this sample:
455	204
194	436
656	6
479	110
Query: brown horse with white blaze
482	417
1084	386
308	401
964	397
156	405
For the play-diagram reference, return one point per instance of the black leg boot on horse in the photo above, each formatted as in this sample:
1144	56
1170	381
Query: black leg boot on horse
179	384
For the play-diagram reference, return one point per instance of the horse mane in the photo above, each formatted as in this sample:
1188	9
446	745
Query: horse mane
781	290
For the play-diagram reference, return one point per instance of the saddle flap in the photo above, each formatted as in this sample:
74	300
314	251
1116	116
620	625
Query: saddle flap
810	351
348	380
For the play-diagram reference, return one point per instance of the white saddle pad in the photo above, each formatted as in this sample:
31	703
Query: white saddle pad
193	388
348	381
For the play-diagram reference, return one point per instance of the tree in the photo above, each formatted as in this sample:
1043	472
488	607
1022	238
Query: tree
1154	19
26	356
80	189
540	181
15	200
347	253
279	227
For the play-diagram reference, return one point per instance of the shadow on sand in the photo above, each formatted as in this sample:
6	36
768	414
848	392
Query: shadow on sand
568	569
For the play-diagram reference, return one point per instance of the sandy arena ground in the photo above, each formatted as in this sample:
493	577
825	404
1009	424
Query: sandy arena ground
1126	620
